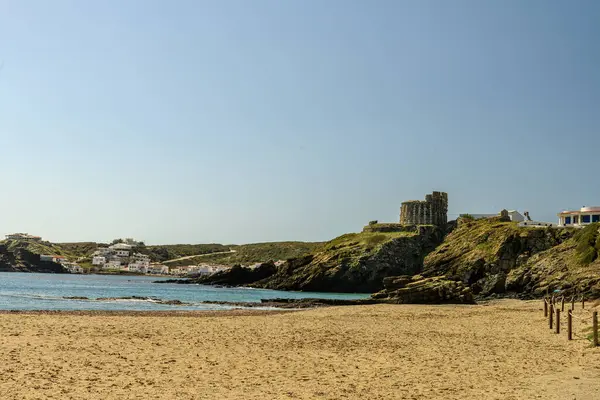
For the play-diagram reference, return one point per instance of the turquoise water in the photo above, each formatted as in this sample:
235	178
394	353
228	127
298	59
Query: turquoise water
24	291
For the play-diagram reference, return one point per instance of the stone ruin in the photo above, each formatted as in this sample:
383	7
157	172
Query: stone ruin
432	211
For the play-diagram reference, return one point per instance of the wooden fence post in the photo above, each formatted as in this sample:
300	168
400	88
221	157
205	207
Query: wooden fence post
570	325
557	320
595	327
562	304
582	302
546	308
551	314
573	303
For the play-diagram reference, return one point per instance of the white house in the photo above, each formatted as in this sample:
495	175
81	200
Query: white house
98	260
113	264
158	269
513	214
23	236
55	259
579	218
121	249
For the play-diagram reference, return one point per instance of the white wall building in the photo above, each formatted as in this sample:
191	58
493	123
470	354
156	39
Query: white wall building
98	260
113	264
579	218
55	259
514	215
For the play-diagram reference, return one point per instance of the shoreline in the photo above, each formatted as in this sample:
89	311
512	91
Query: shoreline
150	313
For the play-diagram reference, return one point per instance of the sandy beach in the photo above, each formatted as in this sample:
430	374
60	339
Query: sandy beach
500	350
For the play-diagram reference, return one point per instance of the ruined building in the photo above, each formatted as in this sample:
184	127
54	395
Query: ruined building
432	211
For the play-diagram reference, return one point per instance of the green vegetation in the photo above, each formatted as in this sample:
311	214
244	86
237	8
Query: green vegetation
588	244
254	253
163	253
353	246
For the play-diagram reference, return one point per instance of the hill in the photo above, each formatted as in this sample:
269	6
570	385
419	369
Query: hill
254	253
355	262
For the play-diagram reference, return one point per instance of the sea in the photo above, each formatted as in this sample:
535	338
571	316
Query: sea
33	291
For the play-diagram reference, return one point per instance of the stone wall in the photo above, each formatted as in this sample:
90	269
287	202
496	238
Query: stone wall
432	211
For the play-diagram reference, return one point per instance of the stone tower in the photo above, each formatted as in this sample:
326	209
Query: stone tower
432	211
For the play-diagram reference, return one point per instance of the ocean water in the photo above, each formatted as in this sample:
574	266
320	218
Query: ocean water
30	291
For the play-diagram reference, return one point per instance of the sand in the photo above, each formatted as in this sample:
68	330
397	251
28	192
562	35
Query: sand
501	350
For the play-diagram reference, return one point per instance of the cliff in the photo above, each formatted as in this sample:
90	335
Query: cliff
355	262
482	253
20	257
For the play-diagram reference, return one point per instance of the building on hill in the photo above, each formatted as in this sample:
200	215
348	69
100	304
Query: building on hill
579	218
432	211
54	259
98	260
514	215
121	249
23	236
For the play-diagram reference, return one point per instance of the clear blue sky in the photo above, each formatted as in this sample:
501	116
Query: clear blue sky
245	121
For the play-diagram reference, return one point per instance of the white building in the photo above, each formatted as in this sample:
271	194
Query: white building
55	259
158	269
98	260
73	268
579	218
23	236
113	264
514	215
121	249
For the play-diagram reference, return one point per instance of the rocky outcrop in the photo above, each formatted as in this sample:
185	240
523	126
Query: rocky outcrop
419	290
356	262
19	259
482	253
237	275
572	267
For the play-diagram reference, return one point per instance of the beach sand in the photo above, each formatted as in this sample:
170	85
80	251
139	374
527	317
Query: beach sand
499	350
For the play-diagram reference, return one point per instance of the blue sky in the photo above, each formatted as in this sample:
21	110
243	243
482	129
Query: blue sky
246	121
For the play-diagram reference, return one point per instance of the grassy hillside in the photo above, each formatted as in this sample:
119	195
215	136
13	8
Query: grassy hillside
356	262
255	253
161	253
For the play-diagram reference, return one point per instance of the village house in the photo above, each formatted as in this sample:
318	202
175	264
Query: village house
158	269
98	260
514	215
23	236
121	249
579	218
54	259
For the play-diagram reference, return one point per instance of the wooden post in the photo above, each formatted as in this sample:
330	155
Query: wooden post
562	304
557	320
595	327
570	325
582	302
573	303
551	314
546	308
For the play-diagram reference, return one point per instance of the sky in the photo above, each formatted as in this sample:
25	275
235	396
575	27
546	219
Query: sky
235	121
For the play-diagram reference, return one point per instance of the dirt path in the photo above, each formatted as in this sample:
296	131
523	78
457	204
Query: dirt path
199	255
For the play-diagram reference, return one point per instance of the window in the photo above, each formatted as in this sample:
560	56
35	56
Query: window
567	220
585	219
595	218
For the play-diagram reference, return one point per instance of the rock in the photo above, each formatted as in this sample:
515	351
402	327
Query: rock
237	275
396	282
75	298
436	290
